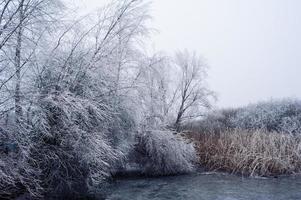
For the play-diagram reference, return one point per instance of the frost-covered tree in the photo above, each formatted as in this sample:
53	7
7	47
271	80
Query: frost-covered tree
71	121
192	94
152	89
24	24
76	93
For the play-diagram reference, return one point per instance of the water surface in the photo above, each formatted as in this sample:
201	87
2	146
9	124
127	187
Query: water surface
206	186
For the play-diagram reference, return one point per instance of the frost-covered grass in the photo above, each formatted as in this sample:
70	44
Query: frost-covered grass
260	139
164	153
254	153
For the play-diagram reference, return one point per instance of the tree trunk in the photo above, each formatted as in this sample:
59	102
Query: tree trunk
18	107
181	111
179	117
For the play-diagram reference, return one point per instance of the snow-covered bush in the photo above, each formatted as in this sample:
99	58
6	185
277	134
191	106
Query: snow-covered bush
214	122
273	116
17	174
71	147
280	116
164	153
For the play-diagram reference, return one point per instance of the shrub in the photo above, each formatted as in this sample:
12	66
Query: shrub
274	116
17	174
163	153
214	122
63	150
283	116
71	146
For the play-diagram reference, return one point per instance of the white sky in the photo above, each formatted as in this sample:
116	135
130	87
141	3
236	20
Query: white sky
253	47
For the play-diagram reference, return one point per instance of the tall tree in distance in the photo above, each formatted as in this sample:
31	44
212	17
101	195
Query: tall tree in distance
192	92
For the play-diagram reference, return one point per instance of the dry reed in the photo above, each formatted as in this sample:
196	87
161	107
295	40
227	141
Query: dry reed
255	153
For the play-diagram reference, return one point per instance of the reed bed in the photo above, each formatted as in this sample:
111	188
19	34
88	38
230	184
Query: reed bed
252	153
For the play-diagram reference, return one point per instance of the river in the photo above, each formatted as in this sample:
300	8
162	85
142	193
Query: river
206	186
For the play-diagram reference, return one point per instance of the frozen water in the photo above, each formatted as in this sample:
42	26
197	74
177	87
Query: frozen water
206	186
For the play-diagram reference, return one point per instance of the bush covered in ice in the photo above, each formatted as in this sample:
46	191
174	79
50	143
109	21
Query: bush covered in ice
17	172
273	116
280	116
63	150
164	153
214	122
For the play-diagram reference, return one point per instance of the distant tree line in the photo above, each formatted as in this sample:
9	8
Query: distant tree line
281	116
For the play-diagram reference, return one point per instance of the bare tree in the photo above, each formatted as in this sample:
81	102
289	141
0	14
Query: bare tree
173	92
152	88
192	92
22	25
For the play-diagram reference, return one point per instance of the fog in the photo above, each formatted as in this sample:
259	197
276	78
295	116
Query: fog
251	47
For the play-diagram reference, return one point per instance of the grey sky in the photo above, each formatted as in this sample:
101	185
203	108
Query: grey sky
253	47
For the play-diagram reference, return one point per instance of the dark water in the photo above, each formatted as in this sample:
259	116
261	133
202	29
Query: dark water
204	186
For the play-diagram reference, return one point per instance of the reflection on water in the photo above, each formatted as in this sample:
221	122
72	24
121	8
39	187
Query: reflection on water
203	186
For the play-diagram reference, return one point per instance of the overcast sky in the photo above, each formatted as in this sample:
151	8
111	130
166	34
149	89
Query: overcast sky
253	47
